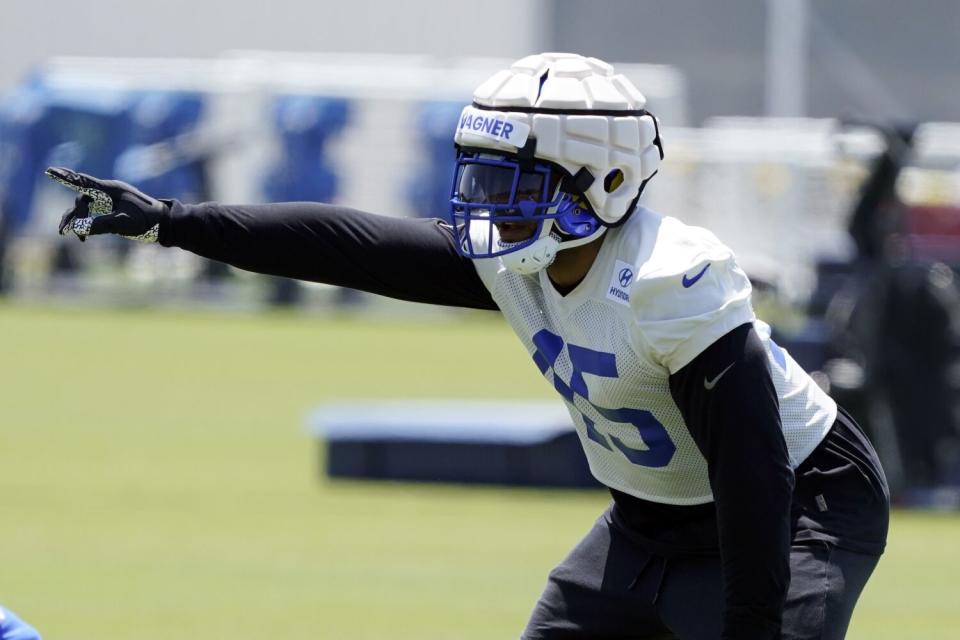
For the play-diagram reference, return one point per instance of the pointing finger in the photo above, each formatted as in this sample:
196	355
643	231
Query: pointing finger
70	178
82	183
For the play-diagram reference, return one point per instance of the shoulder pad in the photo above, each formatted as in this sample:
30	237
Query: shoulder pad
688	291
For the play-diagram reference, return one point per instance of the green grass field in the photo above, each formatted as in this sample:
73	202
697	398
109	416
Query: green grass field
157	482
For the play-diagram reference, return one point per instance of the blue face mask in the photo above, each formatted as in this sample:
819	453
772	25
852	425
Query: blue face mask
489	190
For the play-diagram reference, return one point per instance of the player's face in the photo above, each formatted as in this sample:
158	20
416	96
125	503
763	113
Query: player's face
480	184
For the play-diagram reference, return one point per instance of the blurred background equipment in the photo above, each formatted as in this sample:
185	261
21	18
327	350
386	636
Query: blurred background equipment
513	443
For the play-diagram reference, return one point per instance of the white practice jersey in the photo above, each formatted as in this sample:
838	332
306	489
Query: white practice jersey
659	293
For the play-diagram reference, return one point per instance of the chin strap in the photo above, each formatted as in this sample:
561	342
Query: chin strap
533	258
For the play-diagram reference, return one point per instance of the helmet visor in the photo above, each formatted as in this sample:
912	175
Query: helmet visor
498	185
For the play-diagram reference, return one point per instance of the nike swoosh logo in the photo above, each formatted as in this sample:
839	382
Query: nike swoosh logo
689	282
710	384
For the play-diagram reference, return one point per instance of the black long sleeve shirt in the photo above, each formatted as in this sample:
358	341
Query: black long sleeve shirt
404	258
736	425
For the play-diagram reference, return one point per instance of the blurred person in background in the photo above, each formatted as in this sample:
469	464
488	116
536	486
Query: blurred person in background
746	504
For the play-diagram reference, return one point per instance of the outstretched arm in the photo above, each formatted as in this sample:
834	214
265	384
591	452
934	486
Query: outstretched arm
402	258
409	259
730	405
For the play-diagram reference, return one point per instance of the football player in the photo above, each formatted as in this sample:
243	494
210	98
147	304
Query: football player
746	504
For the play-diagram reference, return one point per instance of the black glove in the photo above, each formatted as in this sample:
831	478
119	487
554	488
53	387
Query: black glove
109	206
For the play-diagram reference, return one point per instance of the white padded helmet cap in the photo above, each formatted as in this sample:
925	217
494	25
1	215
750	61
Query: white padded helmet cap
582	114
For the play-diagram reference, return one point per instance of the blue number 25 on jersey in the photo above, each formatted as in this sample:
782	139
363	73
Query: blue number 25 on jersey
660	448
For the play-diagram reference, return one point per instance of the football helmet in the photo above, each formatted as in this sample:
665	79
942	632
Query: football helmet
552	152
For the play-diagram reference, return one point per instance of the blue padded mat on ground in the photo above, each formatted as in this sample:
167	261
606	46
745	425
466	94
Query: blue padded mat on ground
485	442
